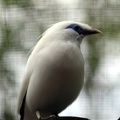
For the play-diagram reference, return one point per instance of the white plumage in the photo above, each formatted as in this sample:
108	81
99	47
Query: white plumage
54	73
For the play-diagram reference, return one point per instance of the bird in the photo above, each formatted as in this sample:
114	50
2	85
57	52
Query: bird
54	73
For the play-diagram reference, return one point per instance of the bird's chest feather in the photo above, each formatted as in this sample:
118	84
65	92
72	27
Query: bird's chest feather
57	73
60	64
63	60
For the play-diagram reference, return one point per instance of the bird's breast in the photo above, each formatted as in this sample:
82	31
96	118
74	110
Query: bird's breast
57	77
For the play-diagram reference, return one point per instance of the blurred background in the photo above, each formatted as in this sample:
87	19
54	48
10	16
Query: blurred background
21	24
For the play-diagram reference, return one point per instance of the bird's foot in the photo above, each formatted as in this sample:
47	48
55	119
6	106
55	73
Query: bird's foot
51	116
38	115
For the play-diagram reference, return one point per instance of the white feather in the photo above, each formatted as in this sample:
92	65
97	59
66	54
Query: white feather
54	72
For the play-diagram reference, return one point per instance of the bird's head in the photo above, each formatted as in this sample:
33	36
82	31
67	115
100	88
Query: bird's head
71	30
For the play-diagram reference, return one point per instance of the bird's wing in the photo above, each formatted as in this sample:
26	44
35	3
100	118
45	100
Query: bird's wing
27	75
23	91
22	107
29	67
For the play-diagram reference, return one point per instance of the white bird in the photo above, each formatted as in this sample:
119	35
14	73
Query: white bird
54	73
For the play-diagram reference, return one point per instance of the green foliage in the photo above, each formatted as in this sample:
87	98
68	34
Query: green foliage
20	3
7	115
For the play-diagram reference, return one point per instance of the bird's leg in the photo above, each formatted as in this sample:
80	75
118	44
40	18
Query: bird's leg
38	115
53	115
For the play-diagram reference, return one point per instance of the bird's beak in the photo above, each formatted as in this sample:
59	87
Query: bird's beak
92	31
95	31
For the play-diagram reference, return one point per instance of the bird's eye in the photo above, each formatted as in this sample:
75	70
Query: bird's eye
75	27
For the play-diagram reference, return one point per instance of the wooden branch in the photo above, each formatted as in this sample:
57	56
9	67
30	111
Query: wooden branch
64	118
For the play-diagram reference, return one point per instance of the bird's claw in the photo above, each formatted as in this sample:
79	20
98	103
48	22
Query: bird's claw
38	115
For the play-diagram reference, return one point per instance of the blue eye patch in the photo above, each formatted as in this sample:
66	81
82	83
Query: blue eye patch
76	28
